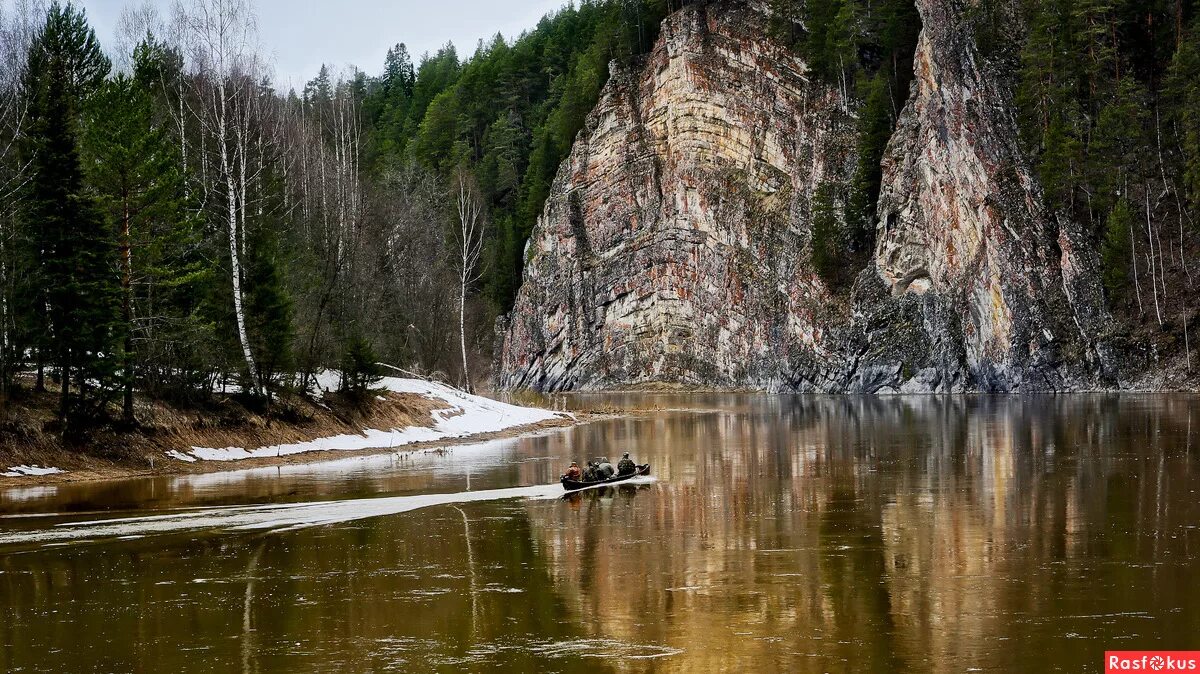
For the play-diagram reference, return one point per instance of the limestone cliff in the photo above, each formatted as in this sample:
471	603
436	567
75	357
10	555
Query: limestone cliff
675	245
961	219
672	246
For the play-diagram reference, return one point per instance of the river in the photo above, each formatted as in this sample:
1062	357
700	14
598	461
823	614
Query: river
778	533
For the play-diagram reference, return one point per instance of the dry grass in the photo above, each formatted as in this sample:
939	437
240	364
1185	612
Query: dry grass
29	432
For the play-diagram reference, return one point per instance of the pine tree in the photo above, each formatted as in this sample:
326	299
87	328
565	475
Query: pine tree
133	168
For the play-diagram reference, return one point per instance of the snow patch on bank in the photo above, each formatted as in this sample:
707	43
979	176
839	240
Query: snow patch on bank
30	471
464	415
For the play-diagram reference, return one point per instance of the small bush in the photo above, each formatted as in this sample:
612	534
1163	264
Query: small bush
360	368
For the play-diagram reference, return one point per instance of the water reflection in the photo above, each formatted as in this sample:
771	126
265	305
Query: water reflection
784	533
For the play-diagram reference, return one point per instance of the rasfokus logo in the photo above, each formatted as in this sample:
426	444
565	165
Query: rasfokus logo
1151	661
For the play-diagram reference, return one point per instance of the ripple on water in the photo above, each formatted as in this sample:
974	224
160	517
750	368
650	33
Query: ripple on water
398	652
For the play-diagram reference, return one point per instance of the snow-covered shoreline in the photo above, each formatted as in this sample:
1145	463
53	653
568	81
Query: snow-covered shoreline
30	471
464	415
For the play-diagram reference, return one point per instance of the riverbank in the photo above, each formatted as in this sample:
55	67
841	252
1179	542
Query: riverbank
403	415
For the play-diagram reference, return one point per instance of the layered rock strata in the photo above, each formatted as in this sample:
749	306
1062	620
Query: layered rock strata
672	248
962	221
675	245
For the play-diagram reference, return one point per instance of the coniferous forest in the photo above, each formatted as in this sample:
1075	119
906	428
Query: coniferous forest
173	225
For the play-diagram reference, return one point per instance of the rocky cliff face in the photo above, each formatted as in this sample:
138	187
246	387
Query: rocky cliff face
961	219
672	246
675	245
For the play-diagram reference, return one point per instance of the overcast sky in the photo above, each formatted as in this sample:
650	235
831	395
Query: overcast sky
303	34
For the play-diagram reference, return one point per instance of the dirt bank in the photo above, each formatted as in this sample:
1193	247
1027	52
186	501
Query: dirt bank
29	434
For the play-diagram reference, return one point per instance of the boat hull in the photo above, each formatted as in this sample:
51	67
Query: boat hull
575	485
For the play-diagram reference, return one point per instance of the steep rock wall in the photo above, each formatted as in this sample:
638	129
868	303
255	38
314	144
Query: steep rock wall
672	246
961	219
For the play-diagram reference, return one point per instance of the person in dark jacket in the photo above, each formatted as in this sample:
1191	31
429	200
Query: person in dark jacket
626	466
605	470
589	475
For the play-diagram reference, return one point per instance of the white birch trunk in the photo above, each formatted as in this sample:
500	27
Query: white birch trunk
1153	272
233	217
470	234
462	330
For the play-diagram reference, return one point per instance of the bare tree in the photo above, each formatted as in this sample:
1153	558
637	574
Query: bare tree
409	204
325	150
135	23
468	249
16	33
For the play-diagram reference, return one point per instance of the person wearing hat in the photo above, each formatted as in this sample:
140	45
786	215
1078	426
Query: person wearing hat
574	473
626	466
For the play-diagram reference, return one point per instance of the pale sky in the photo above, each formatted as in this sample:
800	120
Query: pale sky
303	34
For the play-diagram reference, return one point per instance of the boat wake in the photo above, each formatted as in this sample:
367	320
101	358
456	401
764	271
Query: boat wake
270	518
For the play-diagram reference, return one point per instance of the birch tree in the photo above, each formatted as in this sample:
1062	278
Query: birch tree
326	151
468	247
220	42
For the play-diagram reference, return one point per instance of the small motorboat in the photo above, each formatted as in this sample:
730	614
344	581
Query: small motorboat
575	485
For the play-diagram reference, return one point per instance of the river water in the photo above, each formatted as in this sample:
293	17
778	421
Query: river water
805	534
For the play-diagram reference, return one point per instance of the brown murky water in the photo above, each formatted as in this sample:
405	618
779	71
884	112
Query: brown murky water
782	533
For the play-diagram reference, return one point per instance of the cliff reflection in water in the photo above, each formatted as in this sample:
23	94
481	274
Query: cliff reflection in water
893	534
784	533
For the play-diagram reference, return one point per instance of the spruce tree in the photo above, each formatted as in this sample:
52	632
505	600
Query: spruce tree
71	247
360	368
1119	144
828	242
874	131
270	311
1183	91
1116	251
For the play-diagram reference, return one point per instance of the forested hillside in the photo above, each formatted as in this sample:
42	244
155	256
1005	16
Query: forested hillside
178	227
1107	94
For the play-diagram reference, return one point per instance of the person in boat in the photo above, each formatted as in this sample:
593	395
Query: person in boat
574	473
589	475
626	466
604	470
